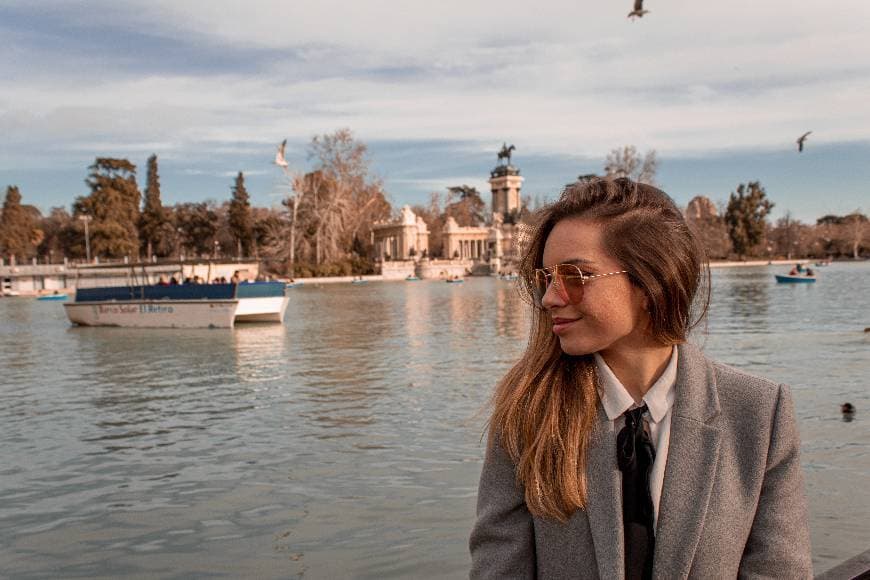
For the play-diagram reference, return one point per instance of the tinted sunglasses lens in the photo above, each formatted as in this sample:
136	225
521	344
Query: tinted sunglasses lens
539	288
570	283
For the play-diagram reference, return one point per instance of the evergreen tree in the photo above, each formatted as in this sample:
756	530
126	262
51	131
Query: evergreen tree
197	223
155	226
241	220
745	216
16	226
114	206
60	236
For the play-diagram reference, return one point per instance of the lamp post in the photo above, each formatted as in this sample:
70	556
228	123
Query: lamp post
179	239
86	219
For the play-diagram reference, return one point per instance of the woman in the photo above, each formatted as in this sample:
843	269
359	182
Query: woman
616	449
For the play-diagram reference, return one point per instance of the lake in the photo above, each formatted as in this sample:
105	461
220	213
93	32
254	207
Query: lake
347	443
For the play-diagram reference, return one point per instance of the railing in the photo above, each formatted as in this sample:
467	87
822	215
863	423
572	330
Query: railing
857	568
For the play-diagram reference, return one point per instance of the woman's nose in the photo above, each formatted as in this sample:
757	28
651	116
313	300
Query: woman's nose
552	297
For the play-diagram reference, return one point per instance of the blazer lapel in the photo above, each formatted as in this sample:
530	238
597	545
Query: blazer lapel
691	466
604	503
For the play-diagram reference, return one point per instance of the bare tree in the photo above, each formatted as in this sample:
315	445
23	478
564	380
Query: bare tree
335	203
291	202
855	227
627	162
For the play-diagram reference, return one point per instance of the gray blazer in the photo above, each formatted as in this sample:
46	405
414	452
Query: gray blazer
732	501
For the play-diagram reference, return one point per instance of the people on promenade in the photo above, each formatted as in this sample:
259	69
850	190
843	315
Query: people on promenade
617	449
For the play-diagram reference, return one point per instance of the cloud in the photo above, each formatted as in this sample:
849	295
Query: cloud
213	86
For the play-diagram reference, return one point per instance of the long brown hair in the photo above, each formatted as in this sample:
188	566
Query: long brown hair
545	407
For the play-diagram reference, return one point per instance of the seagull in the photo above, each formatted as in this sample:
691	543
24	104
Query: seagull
801	140
638	11
279	156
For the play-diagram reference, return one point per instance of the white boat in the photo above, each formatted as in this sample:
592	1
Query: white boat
179	306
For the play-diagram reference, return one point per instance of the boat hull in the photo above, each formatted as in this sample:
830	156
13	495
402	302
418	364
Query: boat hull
269	309
53	297
154	313
794	279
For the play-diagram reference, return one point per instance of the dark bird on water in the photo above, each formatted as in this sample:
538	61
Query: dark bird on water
801	140
638	11
847	408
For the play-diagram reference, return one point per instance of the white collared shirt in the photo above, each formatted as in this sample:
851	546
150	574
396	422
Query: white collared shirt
660	402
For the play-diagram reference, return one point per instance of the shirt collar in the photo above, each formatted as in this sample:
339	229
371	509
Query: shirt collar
616	400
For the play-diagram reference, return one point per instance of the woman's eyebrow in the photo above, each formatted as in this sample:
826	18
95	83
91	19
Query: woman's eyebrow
579	262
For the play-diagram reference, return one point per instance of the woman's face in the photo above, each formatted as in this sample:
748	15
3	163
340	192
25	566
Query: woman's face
611	314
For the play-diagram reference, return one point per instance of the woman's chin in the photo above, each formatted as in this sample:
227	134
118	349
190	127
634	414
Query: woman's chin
573	348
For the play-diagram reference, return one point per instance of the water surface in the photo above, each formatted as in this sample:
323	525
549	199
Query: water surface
347	443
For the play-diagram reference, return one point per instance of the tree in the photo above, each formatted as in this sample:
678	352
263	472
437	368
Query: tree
434	218
746	215
335	202
61	237
468	209
348	198
155	226
786	236
856	228
627	162
197	226
114	206
18	231
844	234
241	221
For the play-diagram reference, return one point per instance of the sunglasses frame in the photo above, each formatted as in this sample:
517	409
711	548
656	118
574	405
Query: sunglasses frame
550	276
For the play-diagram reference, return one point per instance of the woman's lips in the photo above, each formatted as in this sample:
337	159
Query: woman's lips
562	324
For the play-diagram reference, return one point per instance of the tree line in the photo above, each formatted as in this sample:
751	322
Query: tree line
336	204
324	224
740	229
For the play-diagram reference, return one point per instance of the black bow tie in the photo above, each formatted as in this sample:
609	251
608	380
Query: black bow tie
635	455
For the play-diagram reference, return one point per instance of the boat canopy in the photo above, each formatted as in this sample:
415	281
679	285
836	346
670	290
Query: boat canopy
176	292
182	292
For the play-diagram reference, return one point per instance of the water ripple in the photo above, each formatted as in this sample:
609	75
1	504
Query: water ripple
347	442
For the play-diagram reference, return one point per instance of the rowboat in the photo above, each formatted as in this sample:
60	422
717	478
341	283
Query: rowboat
789	279
54	297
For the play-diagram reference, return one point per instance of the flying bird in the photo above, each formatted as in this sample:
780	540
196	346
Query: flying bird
801	140
638	11
279	156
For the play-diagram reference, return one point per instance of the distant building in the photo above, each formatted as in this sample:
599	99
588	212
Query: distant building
407	239
486	247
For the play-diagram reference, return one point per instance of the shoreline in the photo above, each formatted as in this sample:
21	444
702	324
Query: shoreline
736	263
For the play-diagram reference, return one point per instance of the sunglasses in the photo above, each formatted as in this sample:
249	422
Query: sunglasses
567	279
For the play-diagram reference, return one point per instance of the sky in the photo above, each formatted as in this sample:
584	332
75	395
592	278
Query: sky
720	91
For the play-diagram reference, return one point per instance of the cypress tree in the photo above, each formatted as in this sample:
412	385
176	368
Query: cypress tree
241	220
15	226
155	225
